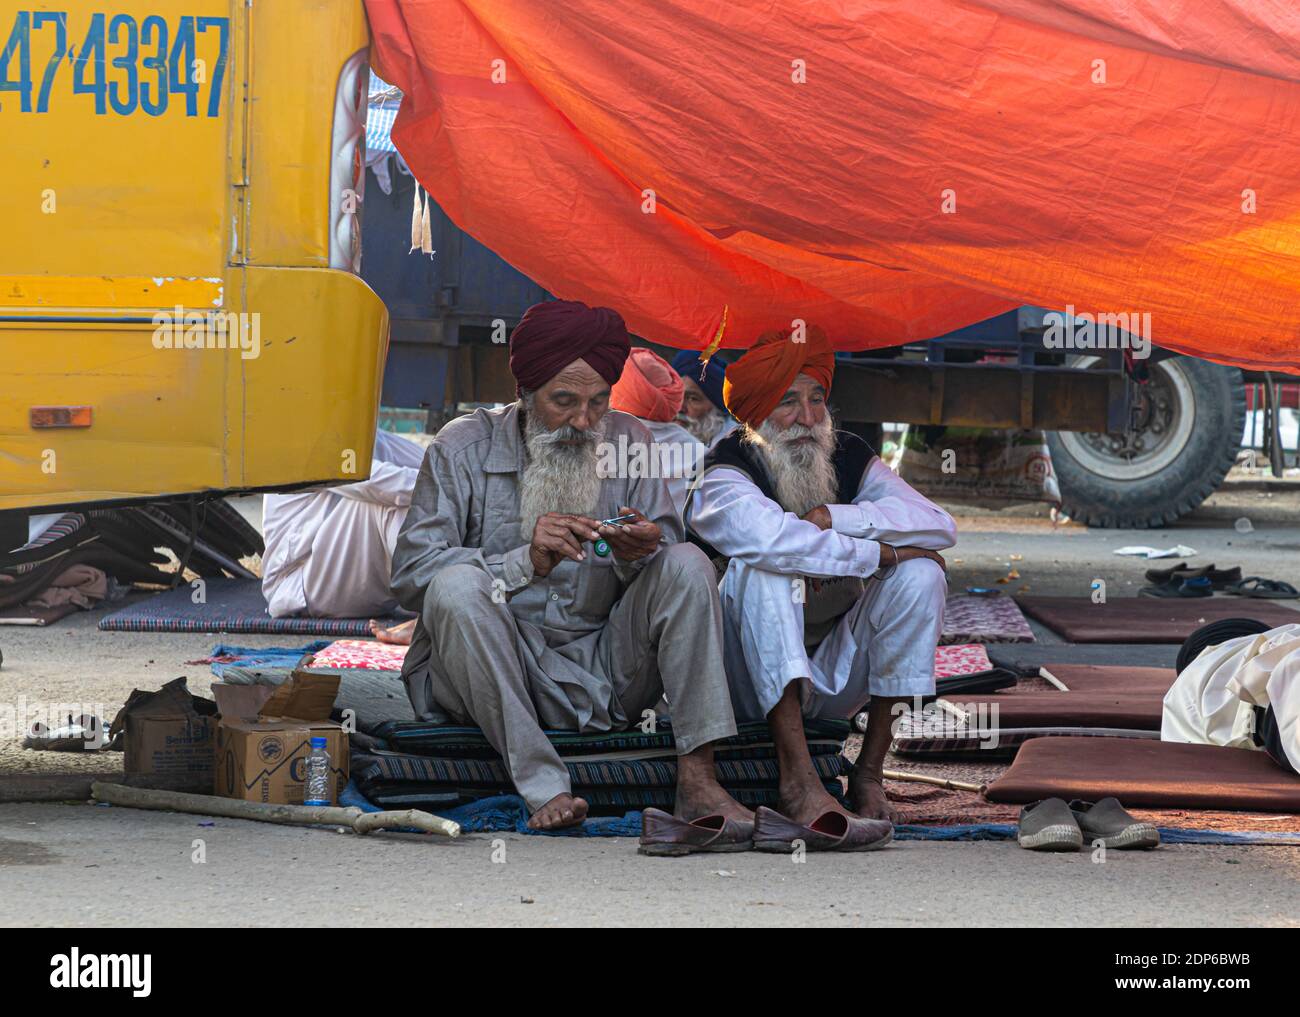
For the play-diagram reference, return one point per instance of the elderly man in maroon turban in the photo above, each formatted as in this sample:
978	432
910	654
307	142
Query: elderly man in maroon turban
535	612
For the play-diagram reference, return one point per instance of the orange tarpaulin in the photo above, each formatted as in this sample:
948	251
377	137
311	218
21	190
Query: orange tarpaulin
888	169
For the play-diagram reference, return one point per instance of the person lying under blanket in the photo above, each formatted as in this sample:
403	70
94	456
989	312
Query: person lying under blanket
329	550
1244	693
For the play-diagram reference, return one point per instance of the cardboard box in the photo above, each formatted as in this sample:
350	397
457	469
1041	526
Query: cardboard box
168	736
264	737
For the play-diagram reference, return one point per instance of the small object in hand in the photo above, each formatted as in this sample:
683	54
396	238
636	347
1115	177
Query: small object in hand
601	547
618	519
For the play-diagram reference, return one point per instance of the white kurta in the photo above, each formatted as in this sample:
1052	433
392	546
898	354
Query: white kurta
1212	702
883	644
329	551
679	455
728	425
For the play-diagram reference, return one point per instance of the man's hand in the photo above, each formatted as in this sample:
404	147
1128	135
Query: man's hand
907	554
557	536
633	540
819	517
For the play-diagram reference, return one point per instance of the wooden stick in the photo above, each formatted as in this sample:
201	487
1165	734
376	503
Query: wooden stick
1053	679
921	778
300	815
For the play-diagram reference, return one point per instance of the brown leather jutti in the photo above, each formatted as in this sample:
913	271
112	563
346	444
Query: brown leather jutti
1148	774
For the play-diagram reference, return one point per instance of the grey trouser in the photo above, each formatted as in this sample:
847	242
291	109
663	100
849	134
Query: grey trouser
663	638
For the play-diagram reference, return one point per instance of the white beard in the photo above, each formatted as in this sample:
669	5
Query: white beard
557	477
804	474
707	427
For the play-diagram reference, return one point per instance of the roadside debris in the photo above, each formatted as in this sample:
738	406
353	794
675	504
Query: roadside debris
1142	551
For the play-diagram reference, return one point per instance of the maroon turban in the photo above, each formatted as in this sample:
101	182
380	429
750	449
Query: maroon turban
551	336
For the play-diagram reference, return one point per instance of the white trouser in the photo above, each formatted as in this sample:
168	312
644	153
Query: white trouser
882	646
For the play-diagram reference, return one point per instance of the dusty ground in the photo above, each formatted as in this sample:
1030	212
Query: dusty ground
79	864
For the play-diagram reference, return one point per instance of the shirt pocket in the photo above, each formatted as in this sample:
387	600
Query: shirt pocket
598	587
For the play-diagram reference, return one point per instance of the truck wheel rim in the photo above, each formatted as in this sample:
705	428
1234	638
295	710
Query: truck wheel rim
1166	416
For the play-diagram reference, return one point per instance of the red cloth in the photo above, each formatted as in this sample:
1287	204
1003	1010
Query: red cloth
649	388
891	169
552	335
756	382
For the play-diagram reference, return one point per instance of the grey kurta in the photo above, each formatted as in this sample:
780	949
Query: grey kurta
572	650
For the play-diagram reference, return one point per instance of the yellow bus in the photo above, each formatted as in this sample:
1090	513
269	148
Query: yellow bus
180	309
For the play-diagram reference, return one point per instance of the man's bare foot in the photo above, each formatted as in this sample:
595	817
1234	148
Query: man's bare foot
398	635
696	802
803	803
698	792
868	799
561	811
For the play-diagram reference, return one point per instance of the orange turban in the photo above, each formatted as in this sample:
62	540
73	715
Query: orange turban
649	388
756	383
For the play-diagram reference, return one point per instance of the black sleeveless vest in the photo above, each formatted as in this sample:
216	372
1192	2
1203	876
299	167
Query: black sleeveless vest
851	457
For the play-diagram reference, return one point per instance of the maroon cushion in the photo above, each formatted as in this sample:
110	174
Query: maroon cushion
1146	619
1099	696
1144	773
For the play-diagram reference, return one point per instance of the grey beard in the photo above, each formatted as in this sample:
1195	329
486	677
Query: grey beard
707	427
557	477
803	474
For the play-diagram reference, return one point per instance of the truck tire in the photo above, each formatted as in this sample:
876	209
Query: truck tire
1188	422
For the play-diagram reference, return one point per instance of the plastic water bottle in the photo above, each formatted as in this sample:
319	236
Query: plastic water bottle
316	782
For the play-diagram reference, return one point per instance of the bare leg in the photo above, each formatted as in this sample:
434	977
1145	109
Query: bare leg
698	791
561	811
866	792
802	795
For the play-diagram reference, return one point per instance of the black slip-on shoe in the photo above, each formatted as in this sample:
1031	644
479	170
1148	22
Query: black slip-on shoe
1049	825
1106	821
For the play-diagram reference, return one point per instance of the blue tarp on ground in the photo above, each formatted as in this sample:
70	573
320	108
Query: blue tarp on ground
262	656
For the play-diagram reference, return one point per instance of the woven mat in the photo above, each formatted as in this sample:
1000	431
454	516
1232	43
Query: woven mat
232	605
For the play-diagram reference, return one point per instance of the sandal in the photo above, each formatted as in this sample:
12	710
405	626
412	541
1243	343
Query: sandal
1263	589
667	836
831	831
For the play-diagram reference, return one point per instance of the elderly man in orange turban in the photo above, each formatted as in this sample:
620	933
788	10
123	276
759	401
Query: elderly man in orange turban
652	391
833	591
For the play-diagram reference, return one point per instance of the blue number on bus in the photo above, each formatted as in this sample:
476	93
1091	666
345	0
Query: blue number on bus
125	62
21	43
180	78
219	71
91	52
60	19
153	32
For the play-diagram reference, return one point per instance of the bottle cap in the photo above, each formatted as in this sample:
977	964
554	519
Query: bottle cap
318	743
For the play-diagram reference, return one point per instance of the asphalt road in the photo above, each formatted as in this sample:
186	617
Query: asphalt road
73	865
78	864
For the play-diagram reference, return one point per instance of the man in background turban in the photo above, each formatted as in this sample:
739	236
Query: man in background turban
536	613
651	391
703	412
834	590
